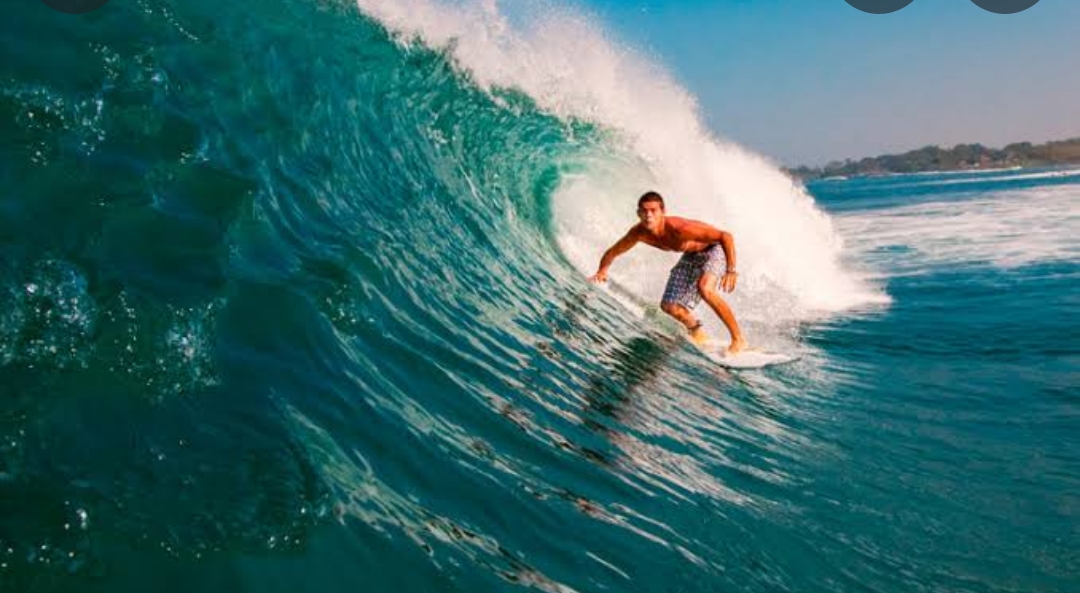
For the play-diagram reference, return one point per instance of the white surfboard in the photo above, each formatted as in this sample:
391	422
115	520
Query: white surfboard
751	359
747	359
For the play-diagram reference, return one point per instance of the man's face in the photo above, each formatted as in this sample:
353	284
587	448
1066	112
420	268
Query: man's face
651	215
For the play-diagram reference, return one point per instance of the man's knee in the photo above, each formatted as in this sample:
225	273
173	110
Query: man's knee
673	309
706	285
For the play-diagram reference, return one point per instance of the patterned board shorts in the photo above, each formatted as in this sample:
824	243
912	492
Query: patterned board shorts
682	283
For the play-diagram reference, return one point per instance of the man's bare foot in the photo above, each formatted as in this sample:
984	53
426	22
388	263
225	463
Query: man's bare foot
737	346
699	337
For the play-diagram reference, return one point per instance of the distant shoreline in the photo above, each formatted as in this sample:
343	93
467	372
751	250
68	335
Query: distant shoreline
962	157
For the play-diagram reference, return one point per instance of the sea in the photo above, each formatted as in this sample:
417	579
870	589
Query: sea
293	298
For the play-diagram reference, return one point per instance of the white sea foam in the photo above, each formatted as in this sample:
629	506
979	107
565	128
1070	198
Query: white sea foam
788	252
1006	229
981	179
971	172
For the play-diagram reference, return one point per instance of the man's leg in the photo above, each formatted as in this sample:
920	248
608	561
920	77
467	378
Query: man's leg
686	318
707	289
680	296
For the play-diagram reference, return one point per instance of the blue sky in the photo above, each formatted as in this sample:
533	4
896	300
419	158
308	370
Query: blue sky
807	81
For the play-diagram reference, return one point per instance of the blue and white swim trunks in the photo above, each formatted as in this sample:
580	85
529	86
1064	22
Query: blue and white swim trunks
682	283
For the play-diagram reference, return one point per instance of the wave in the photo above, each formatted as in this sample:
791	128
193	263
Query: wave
789	252
241	258
293	293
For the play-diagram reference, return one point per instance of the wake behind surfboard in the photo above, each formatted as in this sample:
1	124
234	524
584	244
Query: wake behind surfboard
748	359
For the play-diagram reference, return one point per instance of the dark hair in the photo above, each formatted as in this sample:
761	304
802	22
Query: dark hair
650	196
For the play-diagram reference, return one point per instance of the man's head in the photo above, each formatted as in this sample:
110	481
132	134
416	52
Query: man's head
650	210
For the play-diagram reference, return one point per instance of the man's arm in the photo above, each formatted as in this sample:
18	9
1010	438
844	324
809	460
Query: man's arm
620	247
700	231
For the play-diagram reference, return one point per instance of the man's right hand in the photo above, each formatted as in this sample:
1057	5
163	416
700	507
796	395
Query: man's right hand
599	277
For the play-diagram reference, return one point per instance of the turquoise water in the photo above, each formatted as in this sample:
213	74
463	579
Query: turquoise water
293	299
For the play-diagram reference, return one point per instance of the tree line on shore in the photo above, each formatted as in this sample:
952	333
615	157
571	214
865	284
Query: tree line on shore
958	158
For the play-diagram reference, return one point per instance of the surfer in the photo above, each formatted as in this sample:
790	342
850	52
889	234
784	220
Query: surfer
708	258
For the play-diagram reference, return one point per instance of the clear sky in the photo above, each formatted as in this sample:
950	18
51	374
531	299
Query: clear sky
808	81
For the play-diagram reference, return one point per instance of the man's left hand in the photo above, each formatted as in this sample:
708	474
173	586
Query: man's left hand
727	283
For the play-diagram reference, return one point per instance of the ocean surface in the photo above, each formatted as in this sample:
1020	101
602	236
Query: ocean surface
292	298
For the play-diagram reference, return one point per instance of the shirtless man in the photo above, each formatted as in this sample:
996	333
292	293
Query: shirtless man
695	276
